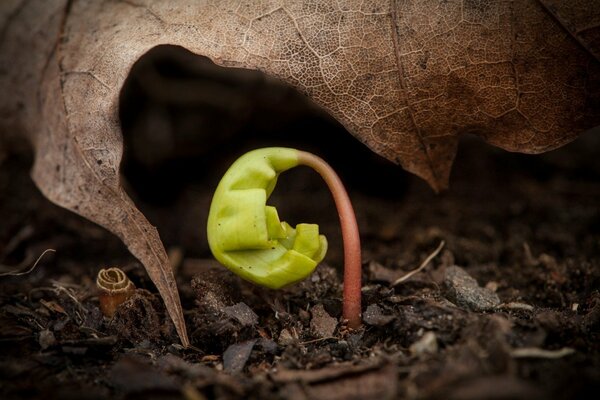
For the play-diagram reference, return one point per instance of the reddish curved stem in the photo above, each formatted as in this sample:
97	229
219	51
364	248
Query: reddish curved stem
350	236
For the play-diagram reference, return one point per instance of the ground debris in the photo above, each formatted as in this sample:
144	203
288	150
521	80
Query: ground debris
322	284
374	315
286	338
379	273
464	290
424	264
499	387
11	328
236	356
46	339
536	352
250	342
591	320
134	374
215	286
322	324
242	314
177	365
426	345
513	305
141	320
375	380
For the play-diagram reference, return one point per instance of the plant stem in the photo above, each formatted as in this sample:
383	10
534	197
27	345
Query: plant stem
350	236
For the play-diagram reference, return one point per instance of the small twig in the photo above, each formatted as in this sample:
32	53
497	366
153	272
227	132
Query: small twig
317	340
192	348
513	305
18	272
422	266
536	352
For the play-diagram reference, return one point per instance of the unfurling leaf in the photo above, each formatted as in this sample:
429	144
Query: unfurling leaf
247	236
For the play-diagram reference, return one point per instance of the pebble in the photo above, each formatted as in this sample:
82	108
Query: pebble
465	292
236	356
373	315
425	345
242	313
46	339
322	324
286	338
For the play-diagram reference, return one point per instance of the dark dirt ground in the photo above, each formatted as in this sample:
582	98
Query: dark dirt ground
526	228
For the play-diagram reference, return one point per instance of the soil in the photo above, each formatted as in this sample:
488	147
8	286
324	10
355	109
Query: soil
510	308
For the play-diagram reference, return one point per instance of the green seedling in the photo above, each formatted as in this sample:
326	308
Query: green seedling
247	236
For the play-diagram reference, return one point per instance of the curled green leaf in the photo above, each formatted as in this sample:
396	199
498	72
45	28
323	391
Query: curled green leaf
247	236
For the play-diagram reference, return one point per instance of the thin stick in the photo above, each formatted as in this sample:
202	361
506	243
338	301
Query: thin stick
536	352
317	340
423	265
350	236
18	272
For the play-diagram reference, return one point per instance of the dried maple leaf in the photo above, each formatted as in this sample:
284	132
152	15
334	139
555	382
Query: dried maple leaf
405	77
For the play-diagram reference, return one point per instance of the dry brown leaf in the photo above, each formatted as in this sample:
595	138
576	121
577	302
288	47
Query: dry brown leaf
404	76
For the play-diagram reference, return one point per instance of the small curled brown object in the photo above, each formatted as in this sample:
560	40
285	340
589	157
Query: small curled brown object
115	287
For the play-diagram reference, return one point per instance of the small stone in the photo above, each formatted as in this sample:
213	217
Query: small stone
341	350
46	339
425	345
267	345
242	313
286	338
373	315
322	324
492	285
355	339
465	292
236	356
